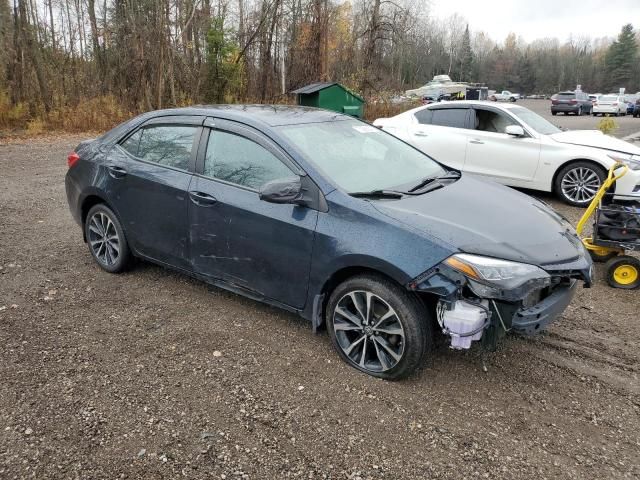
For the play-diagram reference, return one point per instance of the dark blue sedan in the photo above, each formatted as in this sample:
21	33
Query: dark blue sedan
326	216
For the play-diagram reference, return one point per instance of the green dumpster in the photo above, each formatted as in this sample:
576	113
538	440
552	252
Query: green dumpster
331	96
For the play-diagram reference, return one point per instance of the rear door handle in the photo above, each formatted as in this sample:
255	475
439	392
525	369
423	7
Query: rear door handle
202	199
116	172
476	141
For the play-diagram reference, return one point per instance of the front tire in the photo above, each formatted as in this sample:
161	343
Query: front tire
577	183
378	327
106	240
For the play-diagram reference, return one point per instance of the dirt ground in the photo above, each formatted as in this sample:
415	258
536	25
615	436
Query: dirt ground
150	375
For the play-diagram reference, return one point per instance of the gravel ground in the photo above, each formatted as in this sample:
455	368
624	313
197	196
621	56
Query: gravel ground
151	375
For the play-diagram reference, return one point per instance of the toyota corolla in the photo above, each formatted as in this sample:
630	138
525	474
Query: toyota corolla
328	217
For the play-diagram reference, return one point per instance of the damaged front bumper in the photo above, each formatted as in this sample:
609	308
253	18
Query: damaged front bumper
529	321
528	309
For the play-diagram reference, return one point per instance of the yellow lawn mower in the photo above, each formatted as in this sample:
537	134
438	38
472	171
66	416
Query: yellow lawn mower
616	231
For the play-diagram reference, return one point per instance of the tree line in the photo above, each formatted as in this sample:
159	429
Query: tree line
135	55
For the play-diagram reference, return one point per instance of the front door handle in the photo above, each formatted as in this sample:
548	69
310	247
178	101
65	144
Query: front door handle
476	141
421	133
202	199
116	172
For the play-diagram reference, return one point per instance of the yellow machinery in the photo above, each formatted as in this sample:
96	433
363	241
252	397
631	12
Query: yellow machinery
616	231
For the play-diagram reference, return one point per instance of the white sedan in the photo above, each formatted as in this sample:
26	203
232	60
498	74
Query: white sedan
610	105
517	147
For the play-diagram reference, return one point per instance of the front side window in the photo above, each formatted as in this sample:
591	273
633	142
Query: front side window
168	145
450	117
238	160
490	121
359	157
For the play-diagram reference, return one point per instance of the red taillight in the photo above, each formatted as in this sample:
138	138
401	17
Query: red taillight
615	104
554	102
72	159
573	101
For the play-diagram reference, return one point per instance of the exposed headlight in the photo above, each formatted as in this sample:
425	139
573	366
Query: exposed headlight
631	161
503	274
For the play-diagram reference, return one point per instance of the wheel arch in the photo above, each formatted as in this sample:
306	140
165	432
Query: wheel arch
88	202
343	273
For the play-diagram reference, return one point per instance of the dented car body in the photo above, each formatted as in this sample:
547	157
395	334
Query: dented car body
328	217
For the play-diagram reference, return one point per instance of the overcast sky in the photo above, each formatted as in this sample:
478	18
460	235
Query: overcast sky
532	19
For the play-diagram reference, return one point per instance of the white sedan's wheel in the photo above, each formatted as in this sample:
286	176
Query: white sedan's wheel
579	182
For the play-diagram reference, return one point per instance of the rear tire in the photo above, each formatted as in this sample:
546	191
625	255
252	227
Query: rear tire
623	272
387	340
106	239
554	113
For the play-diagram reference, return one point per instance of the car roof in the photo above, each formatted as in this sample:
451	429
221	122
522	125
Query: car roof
258	115
462	103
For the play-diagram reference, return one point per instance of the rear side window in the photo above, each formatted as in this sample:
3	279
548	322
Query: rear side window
168	145
424	116
238	160
450	117
566	95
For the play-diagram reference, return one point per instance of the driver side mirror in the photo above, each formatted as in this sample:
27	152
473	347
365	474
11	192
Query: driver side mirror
514	130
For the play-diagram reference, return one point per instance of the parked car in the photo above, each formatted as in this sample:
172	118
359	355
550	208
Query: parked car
610	105
631	102
571	102
517	147
504	96
328	217
636	108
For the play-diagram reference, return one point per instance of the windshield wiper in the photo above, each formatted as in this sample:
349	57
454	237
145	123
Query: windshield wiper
378	194
450	175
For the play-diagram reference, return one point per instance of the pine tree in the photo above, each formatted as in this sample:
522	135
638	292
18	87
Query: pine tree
224	75
621	58
466	57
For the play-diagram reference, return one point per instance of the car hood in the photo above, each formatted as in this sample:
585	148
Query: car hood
481	217
595	138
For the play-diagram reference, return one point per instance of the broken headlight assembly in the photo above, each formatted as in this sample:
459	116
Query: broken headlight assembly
494	278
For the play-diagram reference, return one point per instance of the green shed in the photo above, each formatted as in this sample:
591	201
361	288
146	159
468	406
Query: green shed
331	96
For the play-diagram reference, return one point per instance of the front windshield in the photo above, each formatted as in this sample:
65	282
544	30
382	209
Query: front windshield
359	157
535	121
